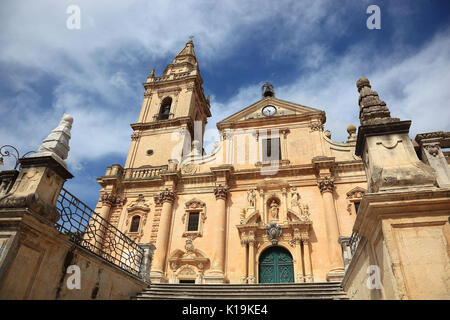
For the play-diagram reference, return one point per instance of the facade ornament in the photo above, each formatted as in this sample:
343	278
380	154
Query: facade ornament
221	192
167	196
251	237
157	200
251	198
242	216
189	168
108	199
372	109
432	149
316	126
56	144
273	231
304	214
139	203
326	184
134	136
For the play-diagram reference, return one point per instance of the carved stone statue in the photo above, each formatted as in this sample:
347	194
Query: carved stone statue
295	198
274	209
251	197
304	215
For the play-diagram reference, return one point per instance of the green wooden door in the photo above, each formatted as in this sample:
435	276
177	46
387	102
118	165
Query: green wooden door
275	266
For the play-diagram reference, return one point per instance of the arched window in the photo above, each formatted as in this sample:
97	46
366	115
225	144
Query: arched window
164	112
135	224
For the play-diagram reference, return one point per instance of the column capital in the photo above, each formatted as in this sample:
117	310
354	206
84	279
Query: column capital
326	184
221	192
167	196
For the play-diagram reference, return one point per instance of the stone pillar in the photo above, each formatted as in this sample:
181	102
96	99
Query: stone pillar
307	261
99	225
263	206
217	273
251	261
244	261
300	271
283	213
326	186
162	241
146	263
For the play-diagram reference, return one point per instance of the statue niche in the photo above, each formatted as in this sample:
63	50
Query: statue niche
273	208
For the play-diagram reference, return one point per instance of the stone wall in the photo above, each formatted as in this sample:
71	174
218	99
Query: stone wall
34	258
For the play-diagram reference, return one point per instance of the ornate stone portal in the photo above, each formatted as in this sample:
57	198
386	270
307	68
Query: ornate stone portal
291	232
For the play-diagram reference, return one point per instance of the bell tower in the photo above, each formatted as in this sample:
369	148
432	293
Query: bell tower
173	114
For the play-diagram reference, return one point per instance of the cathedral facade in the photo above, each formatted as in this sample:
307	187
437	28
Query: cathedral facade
274	202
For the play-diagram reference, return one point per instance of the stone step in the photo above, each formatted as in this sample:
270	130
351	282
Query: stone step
250	286
321	290
243	290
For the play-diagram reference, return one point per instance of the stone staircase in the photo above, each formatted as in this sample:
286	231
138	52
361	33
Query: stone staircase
318	290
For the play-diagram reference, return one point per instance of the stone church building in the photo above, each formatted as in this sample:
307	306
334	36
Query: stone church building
274	202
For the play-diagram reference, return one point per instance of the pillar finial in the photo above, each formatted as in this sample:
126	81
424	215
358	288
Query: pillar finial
372	110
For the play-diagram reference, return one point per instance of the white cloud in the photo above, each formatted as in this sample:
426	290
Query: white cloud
93	70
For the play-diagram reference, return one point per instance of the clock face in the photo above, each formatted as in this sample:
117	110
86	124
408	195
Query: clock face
269	111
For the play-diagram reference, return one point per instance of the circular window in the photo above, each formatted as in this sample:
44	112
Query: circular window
149	152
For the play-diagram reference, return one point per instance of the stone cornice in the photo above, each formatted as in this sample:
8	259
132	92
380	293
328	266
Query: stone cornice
393	204
259	122
379	130
163	124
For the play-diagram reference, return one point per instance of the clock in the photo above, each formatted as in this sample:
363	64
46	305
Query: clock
269	111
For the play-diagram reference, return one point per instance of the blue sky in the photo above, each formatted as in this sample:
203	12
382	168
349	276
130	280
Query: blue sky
311	51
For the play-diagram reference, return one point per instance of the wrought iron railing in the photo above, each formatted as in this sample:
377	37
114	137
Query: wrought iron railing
353	243
86	228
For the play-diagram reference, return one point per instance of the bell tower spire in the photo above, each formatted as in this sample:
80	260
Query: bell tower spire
173	102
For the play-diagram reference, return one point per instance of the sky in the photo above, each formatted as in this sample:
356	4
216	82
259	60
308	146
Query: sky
311	51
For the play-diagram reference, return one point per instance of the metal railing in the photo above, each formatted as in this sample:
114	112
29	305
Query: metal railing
87	229
353	243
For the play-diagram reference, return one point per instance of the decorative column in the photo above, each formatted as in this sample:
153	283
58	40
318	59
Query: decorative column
296	241
244	242
251	258
157	274
307	260
283	213
263	205
217	273
326	186
99	226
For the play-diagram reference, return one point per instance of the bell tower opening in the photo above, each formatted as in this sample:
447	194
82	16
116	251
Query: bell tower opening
164	112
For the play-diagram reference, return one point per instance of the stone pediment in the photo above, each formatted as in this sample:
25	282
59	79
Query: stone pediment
283	108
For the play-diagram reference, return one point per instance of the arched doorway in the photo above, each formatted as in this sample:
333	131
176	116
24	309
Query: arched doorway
276	266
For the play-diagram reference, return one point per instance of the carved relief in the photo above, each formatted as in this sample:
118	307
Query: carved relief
273	231
432	149
189	168
221	192
316	126
251	198
167	196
